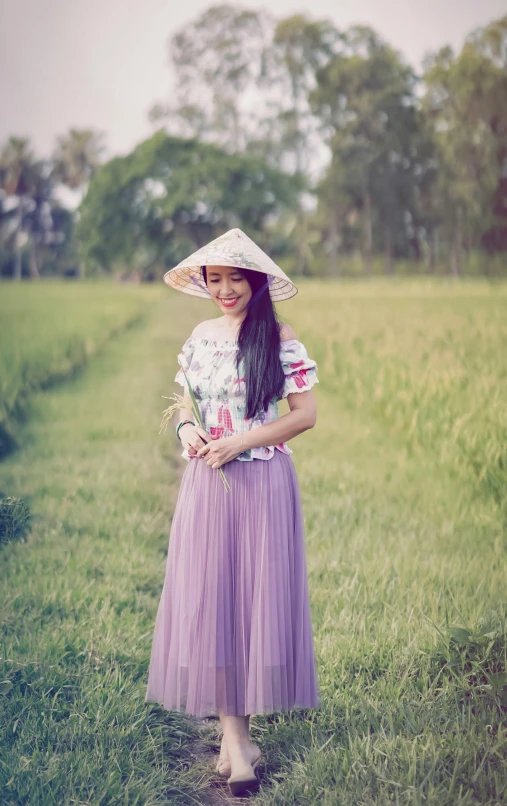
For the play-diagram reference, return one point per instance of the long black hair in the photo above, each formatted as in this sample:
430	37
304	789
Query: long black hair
259	346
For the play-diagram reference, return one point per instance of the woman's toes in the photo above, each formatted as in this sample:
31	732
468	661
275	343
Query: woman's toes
223	765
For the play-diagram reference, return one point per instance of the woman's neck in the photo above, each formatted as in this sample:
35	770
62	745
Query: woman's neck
231	324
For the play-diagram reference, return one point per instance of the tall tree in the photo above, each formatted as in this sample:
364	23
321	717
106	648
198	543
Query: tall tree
21	177
243	81
365	99
465	103
171	195
299	48
217	59
76	158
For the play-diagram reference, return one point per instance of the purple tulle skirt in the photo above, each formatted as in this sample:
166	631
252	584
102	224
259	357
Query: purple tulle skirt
233	632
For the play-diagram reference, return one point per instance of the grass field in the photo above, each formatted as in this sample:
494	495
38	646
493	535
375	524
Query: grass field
404	485
50	330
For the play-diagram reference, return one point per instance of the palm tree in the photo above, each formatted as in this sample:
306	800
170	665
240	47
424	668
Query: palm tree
76	157
20	176
75	160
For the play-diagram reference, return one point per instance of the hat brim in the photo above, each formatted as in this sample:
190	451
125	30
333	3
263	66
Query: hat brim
180	278
234	249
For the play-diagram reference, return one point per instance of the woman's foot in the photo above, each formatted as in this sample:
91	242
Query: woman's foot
223	766
250	754
245	758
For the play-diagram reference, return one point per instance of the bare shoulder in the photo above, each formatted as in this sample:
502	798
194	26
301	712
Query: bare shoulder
286	332
202	329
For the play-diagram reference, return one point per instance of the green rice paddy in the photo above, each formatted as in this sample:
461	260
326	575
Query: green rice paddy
403	482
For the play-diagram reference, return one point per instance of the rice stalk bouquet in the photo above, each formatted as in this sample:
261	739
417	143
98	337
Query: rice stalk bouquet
181	402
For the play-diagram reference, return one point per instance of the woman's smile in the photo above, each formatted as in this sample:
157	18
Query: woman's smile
228	302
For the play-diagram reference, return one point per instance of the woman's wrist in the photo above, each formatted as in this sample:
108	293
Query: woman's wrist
241	442
181	426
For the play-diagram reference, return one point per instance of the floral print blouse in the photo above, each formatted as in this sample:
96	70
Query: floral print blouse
210	367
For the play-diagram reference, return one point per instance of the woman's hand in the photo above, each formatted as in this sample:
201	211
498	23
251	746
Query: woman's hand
192	437
219	451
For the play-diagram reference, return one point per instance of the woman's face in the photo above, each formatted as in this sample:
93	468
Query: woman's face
229	289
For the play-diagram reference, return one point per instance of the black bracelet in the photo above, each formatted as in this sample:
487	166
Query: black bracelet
183	422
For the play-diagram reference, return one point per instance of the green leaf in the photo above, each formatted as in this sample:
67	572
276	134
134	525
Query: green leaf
195	405
5	686
460	635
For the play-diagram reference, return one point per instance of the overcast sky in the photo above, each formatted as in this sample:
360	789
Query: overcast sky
103	63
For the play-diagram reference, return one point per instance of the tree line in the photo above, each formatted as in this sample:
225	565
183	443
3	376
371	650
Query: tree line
323	144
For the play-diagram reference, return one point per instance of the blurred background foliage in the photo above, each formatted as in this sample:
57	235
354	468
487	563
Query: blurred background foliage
324	145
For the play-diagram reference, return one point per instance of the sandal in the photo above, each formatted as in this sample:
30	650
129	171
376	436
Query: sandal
223	765
247	782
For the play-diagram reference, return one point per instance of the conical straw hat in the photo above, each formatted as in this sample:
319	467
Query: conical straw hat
233	248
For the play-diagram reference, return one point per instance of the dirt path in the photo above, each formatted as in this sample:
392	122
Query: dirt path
80	596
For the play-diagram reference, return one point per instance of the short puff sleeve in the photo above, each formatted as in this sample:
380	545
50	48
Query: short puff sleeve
300	370
185	360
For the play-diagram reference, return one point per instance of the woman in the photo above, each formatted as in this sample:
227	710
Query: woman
233	634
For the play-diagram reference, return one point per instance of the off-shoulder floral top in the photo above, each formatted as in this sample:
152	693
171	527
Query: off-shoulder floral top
210	367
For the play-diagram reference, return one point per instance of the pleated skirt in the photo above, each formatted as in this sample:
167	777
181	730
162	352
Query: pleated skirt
233	631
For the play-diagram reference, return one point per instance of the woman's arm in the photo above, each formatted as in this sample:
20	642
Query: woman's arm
187	413
191	436
301	417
